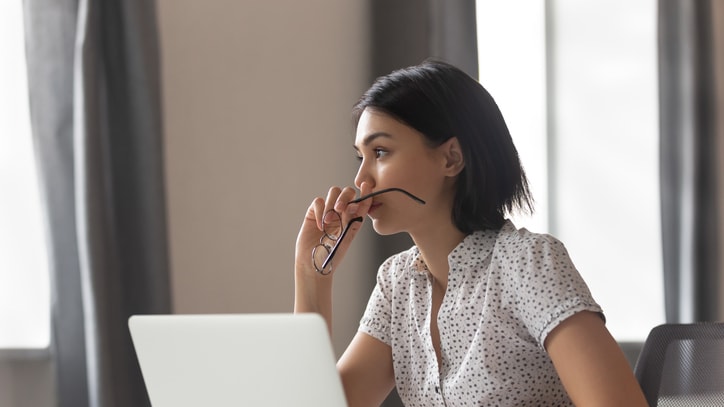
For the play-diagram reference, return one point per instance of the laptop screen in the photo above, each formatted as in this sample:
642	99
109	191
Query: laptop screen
236	360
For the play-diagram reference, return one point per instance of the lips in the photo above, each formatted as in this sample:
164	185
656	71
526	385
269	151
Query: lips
373	207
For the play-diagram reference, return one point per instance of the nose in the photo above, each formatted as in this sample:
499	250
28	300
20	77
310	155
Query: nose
363	175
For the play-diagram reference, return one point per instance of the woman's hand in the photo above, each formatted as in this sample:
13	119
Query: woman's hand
312	290
312	229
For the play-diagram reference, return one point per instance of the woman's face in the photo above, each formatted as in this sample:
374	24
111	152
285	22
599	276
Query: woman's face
394	155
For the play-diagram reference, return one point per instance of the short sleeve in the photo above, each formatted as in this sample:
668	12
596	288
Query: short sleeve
549	287
377	317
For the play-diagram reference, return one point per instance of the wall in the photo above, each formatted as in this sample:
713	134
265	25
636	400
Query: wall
26	382
257	98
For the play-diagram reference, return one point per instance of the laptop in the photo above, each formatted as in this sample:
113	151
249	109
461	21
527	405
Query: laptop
236	360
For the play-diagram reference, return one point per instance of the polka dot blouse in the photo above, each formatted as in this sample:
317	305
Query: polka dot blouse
506	291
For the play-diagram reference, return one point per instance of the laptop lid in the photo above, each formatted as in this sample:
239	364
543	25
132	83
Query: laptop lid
236	360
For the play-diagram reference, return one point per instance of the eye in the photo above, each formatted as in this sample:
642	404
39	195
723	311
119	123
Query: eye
380	152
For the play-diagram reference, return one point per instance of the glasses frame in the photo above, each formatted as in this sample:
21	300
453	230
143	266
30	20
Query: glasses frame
326	267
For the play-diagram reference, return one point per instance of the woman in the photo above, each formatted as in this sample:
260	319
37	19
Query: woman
477	312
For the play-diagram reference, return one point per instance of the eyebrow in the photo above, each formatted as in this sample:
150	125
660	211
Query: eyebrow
372	137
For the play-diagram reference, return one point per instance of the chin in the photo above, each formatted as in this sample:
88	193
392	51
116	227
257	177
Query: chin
384	230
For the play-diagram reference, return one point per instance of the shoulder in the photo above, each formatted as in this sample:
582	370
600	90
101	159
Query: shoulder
522	243
541	280
528	258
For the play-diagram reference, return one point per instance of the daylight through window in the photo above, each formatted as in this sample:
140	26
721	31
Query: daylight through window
24	282
581	99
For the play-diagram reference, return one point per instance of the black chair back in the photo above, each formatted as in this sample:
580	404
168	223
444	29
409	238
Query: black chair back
682	365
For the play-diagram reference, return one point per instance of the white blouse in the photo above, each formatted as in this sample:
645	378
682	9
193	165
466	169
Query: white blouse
506	291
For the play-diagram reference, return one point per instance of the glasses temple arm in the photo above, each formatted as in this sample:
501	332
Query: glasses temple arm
336	244
362	198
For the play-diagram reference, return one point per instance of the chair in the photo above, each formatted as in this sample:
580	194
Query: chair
683	365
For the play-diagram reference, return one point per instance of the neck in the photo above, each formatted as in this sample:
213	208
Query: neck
435	247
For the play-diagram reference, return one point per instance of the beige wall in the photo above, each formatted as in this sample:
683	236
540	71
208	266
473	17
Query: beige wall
26	382
257	98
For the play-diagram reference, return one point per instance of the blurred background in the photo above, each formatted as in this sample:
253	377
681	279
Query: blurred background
158	157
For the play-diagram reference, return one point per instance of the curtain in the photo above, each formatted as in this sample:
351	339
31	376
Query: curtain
691	106
93	76
404	33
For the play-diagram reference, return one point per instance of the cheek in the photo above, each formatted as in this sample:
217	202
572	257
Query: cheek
420	177
403	174
415	173
389	176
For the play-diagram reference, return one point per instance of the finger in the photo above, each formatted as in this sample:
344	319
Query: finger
329	202
364	206
316	212
341	206
310	231
332	196
361	208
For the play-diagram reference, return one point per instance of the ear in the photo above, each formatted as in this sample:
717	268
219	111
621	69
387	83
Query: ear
452	157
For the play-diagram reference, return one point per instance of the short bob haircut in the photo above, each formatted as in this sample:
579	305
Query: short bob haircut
441	101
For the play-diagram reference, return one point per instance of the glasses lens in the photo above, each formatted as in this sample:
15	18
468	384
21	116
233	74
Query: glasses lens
319	255
332	226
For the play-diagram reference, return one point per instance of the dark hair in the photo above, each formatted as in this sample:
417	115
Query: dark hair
441	101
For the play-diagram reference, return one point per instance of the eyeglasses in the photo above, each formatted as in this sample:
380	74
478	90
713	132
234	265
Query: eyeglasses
334	233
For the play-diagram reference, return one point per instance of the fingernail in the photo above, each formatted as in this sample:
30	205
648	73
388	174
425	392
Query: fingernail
352	209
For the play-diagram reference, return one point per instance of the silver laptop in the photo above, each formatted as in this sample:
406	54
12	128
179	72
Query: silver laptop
236	360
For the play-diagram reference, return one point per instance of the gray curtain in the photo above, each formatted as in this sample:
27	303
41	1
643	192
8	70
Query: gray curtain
93	74
404	33
691	106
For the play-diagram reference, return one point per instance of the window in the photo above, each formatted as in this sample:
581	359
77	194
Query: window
577	83
24	279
